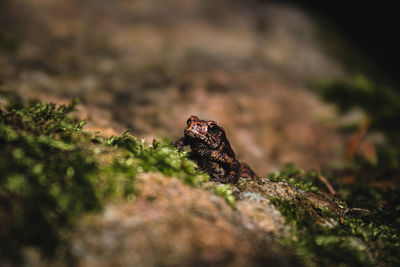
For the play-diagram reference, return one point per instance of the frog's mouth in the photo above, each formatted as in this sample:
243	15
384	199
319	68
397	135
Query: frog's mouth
201	138
194	135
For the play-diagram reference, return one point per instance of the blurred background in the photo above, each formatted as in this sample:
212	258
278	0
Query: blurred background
290	81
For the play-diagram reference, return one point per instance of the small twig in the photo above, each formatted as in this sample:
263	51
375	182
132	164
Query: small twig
341	216
345	212
326	183
359	209
356	139
318	167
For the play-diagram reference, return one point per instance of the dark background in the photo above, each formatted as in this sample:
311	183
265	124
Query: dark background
371	27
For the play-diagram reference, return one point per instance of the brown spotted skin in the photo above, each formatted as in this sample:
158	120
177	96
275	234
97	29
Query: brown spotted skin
212	151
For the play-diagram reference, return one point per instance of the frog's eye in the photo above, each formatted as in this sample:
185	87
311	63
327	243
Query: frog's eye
212	128
191	119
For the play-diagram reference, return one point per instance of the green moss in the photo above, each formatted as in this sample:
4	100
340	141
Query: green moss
47	178
380	230
162	157
116	180
363	195
380	103
225	192
362	240
318	245
52	172
296	177
158	157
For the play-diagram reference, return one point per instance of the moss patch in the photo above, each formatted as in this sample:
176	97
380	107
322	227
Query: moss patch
158	157
296	177
53	172
47	177
225	192
318	245
50	174
364	239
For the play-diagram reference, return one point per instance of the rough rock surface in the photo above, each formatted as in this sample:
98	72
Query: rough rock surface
171	224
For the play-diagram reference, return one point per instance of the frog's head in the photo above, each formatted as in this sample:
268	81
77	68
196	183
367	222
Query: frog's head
206	132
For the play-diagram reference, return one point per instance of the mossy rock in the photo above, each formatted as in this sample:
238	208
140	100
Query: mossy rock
60	180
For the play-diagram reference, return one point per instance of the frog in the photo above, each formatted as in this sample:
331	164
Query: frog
212	152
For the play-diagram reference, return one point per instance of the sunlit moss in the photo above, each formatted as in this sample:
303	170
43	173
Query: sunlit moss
162	157
225	192
158	157
47	176
51	172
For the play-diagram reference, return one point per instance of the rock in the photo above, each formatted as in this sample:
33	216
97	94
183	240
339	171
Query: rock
171	224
